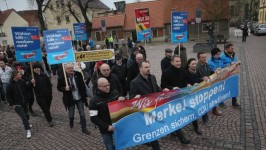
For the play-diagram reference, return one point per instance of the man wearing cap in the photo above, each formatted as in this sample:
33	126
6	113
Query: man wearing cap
166	61
134	52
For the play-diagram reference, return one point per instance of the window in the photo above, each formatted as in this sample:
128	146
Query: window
155	33
67	19
98	36
114	33
58	20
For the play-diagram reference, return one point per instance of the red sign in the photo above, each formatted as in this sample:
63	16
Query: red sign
142	19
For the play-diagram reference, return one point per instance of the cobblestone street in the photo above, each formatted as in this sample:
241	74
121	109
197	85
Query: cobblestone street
235	129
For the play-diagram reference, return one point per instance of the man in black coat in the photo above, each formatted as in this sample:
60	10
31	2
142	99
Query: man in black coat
166	61
74	94
43	91
112	78
145	83
133	70
141	49
99	112
173	78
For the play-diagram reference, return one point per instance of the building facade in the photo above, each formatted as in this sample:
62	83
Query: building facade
9	18
58	15
262	11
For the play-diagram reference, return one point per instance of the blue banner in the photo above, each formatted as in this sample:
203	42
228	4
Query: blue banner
144	127
80	31
27	44
58	46
179	27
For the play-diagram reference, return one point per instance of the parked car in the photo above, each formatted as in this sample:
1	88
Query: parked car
260	29
252	28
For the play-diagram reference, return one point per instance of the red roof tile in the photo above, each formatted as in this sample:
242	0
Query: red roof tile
31	16
156	17
110	21
4	15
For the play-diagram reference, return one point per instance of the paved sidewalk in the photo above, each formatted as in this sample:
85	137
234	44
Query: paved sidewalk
236	129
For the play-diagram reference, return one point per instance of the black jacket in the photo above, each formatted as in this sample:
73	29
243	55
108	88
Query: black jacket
204	70
120	71
99	103
16	93
43	85
140	86
67	95
165	63
115	84
173	77
192	78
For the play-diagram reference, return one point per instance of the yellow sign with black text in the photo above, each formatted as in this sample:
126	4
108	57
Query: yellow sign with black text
94	55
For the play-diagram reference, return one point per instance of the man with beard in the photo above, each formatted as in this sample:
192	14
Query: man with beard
228	58
145	83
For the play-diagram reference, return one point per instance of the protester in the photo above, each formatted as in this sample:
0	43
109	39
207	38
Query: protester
193	78
141	49
145	83
111	41
205	71
210	28
166	61
133	70
129	43
182	55
174	78
43	91
131	59
124	52
228	58
99	112
5	75
112	78
17	97
244	33
121	71
74	94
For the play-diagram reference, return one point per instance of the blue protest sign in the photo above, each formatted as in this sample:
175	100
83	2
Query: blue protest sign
58	46
142	127
80	31
27	44
179	27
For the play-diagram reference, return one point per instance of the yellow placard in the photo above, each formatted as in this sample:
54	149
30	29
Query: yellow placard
94	55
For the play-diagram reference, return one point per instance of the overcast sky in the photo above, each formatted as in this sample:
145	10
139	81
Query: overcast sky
19	5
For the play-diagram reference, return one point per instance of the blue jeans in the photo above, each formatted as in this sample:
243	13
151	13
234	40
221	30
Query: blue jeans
71	113
108	141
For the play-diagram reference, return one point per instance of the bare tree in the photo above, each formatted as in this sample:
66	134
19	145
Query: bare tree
215	10
40	4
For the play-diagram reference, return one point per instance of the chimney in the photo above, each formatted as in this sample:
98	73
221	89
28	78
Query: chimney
120	6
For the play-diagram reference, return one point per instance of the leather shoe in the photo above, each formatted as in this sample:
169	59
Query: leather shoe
85	131
71	124
216	112
182	138
198	131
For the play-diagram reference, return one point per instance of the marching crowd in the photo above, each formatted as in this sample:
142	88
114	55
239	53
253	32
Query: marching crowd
126	77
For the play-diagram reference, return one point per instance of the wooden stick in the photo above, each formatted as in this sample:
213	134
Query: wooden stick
32	74
65	74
